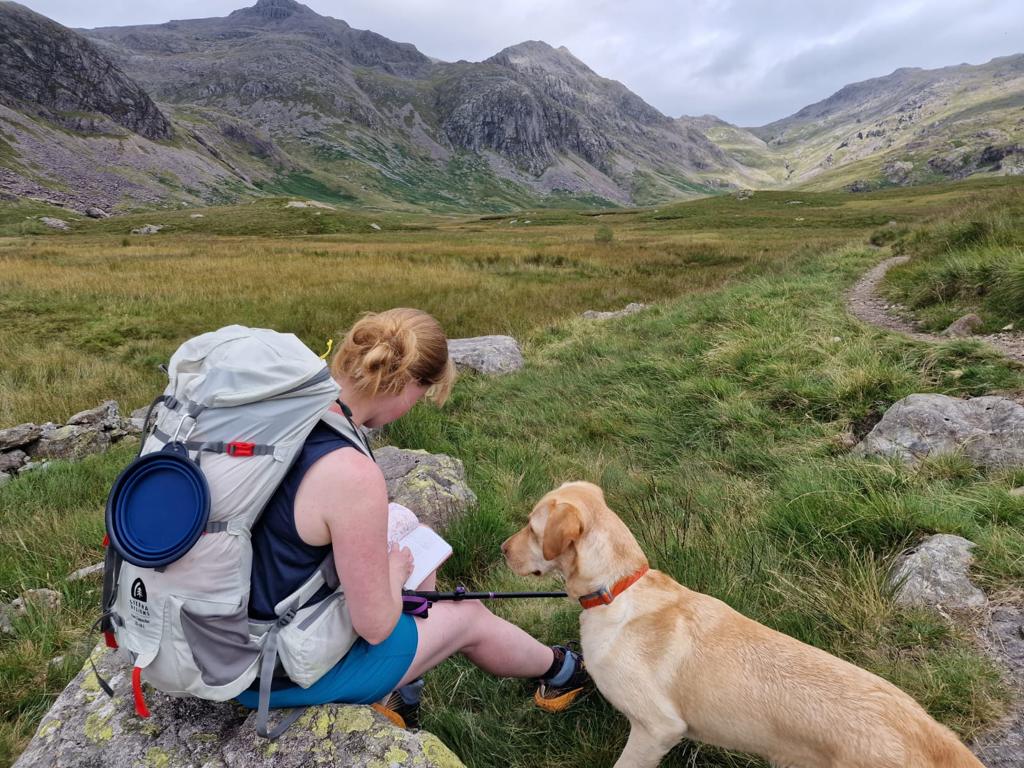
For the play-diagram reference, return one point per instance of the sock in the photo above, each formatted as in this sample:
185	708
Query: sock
562	668
411	692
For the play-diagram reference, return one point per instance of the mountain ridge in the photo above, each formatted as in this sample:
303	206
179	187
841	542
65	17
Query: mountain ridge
276	98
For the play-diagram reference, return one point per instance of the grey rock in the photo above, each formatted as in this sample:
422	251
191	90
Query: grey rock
53	223
486	354
431	485
16	437
86	572
65	78
964	327
106	415
71	442
1018	491
12	461
5	479
1003	638
85	727
630	309
148	229
989	431
96	213
32	466
43	599
6	619
935	574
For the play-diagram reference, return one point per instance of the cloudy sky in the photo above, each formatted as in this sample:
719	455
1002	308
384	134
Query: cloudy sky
748	61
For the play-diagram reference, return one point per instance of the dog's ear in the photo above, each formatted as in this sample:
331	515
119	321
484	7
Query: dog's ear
564	527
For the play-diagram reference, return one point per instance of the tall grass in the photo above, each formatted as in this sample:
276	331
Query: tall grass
711	421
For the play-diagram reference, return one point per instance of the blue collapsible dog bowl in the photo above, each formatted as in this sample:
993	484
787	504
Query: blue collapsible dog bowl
158	508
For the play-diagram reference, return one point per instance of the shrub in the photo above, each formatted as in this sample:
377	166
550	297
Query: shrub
604	234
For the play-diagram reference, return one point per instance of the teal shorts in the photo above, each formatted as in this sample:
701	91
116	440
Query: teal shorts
367	673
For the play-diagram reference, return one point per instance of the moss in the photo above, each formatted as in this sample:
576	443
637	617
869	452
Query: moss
437	753
47	728
98	728
352	719
396	756
157	758
271	749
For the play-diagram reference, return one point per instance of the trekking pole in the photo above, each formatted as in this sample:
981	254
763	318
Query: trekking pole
418	603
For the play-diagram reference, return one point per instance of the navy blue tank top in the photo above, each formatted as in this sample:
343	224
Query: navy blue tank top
281	560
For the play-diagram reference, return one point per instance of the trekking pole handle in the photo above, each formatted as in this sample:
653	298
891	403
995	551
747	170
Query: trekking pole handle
460	593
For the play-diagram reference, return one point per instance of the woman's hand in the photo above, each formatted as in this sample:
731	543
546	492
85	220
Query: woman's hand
400	565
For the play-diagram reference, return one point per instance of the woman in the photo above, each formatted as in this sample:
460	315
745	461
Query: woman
335	498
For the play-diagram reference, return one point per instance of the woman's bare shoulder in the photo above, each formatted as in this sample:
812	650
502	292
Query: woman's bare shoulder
346	468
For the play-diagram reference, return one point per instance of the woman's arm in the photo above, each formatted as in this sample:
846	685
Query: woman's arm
343	500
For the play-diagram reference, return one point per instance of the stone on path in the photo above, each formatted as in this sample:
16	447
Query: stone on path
989	431
486	354
935	574
964	327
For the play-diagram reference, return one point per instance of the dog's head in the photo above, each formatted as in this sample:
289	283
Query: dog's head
572	530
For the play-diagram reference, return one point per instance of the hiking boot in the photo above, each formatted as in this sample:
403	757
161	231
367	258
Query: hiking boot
402	705
553	695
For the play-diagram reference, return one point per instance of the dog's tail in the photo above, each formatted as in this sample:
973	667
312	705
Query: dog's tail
944	750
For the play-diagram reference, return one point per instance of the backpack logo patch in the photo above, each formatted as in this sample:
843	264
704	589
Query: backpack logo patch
138	610
138	590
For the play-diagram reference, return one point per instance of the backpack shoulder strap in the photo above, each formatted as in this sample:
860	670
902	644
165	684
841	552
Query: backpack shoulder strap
344	427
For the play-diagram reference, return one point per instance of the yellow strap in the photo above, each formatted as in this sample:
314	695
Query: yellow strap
330	346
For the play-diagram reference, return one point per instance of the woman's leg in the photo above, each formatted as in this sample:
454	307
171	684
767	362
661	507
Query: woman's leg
490	642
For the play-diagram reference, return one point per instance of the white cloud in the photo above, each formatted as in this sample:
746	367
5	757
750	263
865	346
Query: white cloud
748	61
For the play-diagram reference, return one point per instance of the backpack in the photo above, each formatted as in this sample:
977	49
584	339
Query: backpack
241	401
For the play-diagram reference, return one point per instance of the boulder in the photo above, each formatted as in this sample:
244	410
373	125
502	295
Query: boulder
71	442
106	415
486	354
16	437
87	729
935	574
148	229
12	461
989	431
431	485
44	599
631	309
964	327
53	223
96	213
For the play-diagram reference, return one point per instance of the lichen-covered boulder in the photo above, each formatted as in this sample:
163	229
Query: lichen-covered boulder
87	729
71	442
486	354
989	431
431	485
936	574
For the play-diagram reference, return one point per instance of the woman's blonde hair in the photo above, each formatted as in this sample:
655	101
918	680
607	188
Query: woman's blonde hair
384	351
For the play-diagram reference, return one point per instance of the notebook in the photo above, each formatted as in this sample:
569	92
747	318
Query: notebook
428	549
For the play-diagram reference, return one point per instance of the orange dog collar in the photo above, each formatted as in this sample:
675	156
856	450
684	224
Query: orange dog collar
604	596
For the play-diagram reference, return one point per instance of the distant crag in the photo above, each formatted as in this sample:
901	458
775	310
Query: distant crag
56	74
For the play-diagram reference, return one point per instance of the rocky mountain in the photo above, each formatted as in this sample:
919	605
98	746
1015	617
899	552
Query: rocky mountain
372	119
913	126
275	98
76	130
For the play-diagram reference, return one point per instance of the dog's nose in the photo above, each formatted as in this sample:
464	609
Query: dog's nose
504	546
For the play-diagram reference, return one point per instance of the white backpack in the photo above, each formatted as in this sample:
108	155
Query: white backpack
243	401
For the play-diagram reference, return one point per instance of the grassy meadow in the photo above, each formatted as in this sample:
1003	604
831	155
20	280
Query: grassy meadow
714	421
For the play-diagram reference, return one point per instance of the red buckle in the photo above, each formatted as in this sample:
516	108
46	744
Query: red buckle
239	449
106	539
111	641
